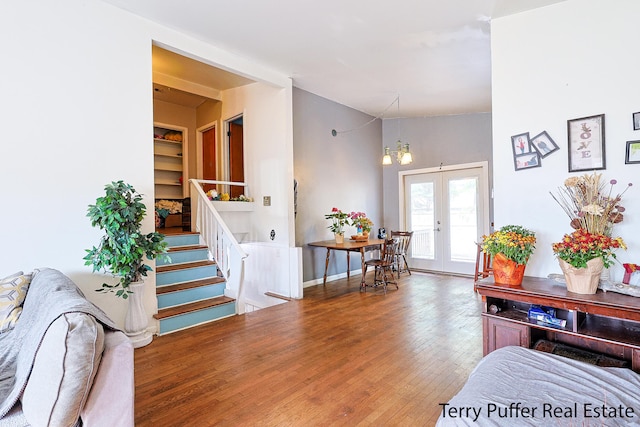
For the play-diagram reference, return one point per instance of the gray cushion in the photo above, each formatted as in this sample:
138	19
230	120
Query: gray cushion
63	371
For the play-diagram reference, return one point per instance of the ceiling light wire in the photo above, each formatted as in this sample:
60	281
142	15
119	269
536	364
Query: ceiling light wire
379	116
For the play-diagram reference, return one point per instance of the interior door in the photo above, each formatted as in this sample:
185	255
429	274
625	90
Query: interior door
446	212
209	157
236	157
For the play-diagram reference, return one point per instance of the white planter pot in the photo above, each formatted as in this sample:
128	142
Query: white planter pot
136	320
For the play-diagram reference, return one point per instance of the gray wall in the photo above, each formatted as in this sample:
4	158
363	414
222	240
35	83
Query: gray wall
446	140
342	171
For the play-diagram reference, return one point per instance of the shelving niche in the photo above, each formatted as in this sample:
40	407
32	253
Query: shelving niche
169	154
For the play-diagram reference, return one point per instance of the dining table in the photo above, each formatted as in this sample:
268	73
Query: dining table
361	246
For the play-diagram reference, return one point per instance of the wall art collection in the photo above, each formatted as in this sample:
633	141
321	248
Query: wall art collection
586	145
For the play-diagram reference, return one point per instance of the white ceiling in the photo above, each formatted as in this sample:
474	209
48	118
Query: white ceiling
432	54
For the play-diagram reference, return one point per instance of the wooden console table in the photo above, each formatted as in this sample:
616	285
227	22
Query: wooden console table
606	323
348	246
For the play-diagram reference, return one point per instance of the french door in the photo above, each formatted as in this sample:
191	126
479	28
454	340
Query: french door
447	213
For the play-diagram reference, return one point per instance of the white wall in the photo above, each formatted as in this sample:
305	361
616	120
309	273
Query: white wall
569	60
268	168
77	113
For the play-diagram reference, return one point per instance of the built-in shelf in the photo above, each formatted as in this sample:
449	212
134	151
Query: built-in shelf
169	144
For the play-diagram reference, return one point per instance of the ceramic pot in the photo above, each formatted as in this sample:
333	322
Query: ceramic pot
339	238
507	272
136	320
583	280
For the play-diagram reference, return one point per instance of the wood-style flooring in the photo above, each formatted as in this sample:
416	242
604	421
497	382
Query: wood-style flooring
337	357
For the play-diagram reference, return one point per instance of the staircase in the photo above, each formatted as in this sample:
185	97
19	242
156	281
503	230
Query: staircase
189	288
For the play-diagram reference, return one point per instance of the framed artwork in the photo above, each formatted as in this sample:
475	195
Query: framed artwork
636	121
527	160
586	143
633	152
520	144
543	144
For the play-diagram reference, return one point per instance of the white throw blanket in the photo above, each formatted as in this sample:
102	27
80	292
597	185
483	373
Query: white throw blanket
50	295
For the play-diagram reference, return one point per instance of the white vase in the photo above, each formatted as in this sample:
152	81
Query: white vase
136	320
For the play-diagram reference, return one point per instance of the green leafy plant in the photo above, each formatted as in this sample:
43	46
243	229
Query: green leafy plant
514	241
123	248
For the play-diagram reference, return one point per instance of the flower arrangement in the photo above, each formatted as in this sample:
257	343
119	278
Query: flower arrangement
359	219
589	205
582	246
338	220
224	197
515	242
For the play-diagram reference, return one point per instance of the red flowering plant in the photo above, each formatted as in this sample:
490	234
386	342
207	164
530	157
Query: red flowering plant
338	220
581	246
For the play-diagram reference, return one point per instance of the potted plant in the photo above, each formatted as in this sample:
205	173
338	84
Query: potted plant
338	221
510	246
124	249
582	256
361	222
591	204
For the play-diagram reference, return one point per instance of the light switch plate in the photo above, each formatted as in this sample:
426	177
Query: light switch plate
266	201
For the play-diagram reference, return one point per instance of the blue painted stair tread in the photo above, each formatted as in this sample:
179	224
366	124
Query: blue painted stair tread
189	288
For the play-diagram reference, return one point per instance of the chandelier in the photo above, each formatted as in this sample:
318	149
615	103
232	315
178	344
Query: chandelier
403	155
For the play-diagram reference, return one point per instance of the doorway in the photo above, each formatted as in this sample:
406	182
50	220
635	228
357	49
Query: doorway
209	171
448	212
235	135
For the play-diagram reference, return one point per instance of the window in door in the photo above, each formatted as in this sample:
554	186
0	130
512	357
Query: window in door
446	212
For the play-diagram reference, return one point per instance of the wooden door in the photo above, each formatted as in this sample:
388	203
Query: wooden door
236	158
209	157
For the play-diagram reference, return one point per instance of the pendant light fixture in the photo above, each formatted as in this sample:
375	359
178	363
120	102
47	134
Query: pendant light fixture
402	153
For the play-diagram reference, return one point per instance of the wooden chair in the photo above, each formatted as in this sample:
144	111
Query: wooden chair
383	267
404	240
483	266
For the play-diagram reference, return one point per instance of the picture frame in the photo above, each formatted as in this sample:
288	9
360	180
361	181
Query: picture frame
544	144
527	160
632	153
521	144
636	120
586	143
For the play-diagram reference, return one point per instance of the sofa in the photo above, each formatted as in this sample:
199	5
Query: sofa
63	362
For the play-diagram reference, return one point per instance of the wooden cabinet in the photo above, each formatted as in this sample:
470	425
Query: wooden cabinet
501	333
606	323
169	155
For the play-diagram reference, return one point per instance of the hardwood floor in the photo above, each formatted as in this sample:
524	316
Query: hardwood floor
336	357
